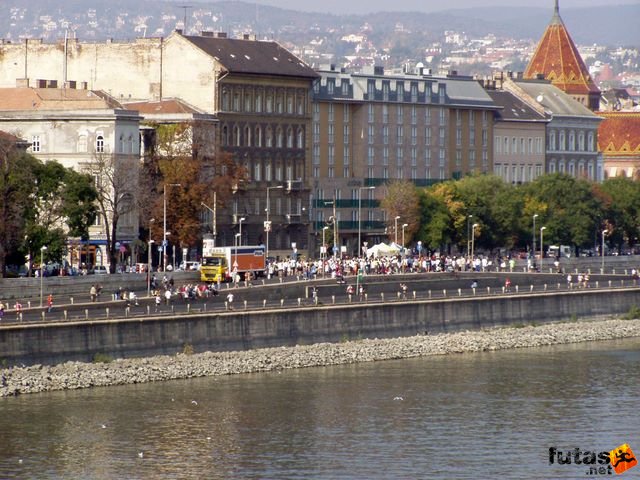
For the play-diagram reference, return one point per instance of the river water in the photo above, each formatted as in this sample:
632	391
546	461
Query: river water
482	415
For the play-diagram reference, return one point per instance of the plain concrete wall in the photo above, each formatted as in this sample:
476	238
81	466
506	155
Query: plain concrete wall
55	343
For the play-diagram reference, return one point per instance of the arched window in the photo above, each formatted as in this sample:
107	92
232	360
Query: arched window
247	136
552	166
552	140
561	166
279	137
300	138
121	145
290	137
236	136
82	143
258	137
100	143
563	145
269	138
572	168
225	136
572	141
590	142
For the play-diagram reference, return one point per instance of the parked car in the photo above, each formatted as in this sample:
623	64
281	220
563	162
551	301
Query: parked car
189	266
100	270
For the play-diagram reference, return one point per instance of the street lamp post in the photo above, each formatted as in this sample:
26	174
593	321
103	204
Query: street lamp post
542	229
267	224
533	251
214	225
405	225
164	223
359	216
395	228
240	222
42	249
323	252
473	239
469	217
151	242
234	263
604	232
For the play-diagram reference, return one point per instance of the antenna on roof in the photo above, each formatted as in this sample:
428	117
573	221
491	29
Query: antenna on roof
184	21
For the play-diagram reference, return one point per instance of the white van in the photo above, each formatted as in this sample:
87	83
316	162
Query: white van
559	251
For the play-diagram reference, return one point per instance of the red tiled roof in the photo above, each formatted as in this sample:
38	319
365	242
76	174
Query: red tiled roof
169	106
619	134
558	59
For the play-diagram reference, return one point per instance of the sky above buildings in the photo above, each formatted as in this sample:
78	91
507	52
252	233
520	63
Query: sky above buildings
369	6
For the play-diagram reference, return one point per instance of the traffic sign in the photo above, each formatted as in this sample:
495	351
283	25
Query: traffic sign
267	226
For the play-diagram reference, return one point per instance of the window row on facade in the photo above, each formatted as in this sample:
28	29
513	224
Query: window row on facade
560	140
575	168
127	144
253	99
518	145
257	136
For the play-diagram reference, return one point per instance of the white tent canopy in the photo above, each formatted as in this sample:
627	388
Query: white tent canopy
383	250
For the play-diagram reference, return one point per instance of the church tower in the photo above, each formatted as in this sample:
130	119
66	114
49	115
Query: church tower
557	59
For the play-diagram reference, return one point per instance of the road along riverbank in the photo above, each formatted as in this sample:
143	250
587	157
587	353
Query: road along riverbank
76	375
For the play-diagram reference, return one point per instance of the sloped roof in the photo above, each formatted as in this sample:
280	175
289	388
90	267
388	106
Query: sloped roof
514	109
558	59
253	56
167	106
554	100
55	99
619	133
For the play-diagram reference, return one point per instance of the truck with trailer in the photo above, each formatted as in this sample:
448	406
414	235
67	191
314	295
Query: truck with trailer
219	264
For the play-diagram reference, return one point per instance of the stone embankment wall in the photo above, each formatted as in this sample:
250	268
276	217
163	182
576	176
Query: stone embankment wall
74	375
239	330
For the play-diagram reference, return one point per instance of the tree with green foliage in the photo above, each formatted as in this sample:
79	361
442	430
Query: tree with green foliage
621	199
401	199
41	204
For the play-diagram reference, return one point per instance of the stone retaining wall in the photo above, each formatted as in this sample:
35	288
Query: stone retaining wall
143	337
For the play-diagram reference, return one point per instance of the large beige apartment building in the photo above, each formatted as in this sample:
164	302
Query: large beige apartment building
258	91
369	129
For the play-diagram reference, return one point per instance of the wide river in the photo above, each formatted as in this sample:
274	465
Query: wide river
477	416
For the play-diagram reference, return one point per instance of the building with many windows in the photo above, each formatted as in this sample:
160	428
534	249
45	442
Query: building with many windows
572	131
519	139
258	91
369	129
79	128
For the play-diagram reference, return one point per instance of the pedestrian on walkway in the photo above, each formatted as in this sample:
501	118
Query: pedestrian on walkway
49	303
230	301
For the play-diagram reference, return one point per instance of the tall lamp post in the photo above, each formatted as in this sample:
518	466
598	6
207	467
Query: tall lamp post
151	242
214	225
323	252
542	229
473	238
469	217
42	249
395	228
404	225
533	251
240	222
267	224
234	266
360	217
164	223
604	232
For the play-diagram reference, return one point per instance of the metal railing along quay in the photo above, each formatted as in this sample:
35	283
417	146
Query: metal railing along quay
251	299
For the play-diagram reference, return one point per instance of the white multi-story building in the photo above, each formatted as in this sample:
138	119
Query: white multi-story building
79	128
